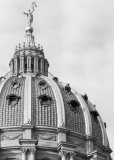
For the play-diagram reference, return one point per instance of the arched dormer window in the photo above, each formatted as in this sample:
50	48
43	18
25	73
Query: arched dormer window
12	99
45	100
74	105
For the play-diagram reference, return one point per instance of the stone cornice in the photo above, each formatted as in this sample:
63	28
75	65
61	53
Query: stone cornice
11	128
66	146
45	128
28	126
28	142
77	135
62	130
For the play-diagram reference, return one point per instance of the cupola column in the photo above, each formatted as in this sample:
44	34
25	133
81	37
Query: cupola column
22	64
35	64
42	65
46	68
29	64
15	65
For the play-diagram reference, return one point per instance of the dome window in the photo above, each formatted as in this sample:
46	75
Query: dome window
12	99
15	84
43	84
74	105
95	114
67	88
45	100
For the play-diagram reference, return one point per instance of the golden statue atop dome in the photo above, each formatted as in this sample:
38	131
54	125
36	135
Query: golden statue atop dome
29	14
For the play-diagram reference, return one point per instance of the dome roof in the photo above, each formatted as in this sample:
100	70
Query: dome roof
49	103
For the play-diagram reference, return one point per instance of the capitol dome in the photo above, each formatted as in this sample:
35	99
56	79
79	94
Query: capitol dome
43	118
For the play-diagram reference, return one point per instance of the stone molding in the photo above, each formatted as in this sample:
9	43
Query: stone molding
10	136
51	137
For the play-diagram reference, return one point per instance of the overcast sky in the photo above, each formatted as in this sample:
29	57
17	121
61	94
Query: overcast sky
78	40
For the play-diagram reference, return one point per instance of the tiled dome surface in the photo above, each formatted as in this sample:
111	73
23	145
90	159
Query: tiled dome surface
74	121
12	115
43	115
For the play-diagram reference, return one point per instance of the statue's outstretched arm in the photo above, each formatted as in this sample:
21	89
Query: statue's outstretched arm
25	13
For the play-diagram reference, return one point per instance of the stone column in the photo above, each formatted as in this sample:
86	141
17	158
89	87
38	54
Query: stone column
63	154
32	152
28	64
23	150
42	65
72	155
22	64
35	64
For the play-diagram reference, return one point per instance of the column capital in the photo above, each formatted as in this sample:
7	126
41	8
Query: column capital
23	150
63	153
72	154
32	150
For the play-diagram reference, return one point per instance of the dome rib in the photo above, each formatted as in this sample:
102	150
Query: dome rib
59	101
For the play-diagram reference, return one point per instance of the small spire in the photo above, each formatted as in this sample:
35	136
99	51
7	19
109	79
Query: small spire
23	44
19	45
39	46
16	48
34	44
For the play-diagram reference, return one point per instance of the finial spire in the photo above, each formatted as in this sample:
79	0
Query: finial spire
30	15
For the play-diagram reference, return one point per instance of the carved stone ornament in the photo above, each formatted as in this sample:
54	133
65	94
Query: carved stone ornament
51	137
15	84
75	141
12	99
10	136
67	88
42	84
